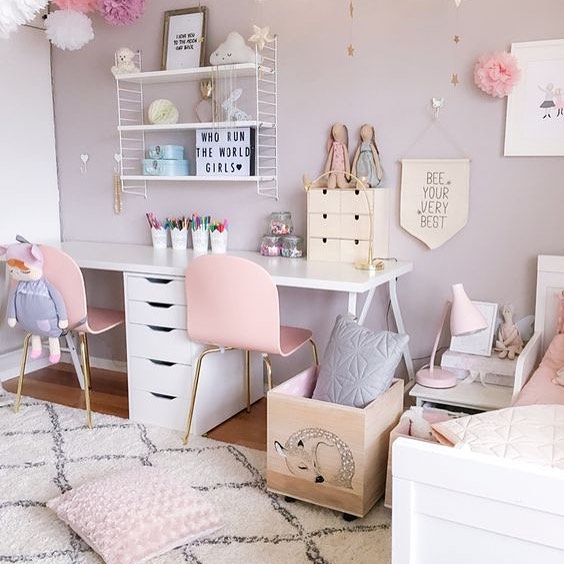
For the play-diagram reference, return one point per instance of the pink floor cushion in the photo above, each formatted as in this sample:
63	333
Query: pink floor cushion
133	516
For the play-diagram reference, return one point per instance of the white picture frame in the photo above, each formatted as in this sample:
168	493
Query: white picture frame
535	108
184	38
479	343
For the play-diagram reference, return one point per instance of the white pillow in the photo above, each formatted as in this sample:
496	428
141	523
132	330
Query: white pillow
133	516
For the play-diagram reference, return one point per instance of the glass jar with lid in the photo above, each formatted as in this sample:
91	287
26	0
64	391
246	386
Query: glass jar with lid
270	246
281	223
292	246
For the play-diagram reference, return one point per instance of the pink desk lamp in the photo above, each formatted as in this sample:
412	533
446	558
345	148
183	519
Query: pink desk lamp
465	319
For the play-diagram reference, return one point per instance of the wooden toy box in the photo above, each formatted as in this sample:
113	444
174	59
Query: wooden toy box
327	454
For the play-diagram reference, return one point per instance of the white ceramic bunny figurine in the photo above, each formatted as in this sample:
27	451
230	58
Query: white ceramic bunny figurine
232	113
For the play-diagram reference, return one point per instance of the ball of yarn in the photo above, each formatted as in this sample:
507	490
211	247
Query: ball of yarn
121	12
14	13
162	111
68	29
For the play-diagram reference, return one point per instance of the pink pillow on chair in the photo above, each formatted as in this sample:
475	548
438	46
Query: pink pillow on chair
133	516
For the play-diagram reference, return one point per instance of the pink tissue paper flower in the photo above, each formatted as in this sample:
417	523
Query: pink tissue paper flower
121	12
83	6
497	73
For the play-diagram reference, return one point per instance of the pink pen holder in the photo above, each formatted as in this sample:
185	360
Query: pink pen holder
200	240
219	241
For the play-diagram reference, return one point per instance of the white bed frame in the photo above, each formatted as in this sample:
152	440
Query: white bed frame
454	506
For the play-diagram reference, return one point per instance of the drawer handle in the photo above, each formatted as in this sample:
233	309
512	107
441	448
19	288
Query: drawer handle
356	241
357	192
158	281
160	329
325	191
324	240
162	306
161	362
357	217
324	216
162	396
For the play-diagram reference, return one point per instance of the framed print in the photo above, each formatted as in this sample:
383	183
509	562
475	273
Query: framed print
535	107
479	343
184	38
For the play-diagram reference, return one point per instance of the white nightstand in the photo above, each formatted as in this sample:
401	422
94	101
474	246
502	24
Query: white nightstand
475	395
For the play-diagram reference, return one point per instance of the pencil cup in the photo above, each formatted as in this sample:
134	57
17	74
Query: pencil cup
179	238
200	238
159	238
219	241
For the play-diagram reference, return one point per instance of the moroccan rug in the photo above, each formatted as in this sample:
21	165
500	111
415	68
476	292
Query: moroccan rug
46	449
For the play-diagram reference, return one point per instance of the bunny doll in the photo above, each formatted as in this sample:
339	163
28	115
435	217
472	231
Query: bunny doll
509	342
232	113
33	302
366	160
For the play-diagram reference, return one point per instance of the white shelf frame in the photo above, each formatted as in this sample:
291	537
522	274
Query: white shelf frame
132	127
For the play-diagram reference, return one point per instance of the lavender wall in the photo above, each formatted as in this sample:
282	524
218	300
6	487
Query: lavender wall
404	56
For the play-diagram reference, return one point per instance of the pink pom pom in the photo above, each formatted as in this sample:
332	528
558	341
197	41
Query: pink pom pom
497	74
83	6
121	12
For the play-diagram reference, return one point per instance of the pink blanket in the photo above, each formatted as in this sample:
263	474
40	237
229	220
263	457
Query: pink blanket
540	389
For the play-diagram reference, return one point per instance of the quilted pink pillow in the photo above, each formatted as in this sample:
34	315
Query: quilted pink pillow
133	516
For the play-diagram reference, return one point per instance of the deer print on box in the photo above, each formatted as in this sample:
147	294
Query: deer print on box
318	455
232	112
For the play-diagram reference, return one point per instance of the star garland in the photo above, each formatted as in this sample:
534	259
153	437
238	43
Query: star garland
456	39
350	46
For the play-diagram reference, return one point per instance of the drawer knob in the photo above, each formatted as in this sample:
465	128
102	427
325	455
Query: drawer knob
356	241
357	192
160	329
357	217
324	216
158	281
325	191
162	362
324	240
162	396
162	306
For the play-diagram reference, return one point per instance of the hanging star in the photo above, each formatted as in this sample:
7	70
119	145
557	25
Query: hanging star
261	36
351	9
457	39
455	81
350	50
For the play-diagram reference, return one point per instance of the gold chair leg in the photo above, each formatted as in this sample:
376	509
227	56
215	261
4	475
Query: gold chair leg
22	372
248	379
268	365
195	389
315	355
88	361
86	369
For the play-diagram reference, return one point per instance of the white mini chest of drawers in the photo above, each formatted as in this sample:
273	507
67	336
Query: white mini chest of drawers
338	223
160	360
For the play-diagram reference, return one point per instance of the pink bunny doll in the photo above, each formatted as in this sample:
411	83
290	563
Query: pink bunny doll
33	302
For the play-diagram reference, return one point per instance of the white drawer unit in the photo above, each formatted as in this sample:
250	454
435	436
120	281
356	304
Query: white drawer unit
154	313
160	376
156	289
338	224
161	360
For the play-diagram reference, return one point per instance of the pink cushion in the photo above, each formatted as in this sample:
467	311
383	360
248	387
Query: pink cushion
133	516
540	389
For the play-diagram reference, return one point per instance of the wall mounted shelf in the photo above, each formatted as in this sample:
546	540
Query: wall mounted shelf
132	128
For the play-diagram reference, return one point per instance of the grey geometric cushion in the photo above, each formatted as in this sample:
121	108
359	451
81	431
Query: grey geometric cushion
358	364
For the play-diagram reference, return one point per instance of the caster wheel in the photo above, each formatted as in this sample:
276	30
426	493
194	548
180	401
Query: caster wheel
289	499
348	517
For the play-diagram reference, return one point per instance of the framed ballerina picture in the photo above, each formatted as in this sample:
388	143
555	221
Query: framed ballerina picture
535	107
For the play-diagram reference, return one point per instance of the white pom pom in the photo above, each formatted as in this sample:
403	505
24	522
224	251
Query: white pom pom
16	12
68	29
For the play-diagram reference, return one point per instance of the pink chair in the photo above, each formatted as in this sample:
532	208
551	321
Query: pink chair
61	270
232	303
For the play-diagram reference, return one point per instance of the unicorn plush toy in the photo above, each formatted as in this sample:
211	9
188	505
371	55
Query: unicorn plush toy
33	302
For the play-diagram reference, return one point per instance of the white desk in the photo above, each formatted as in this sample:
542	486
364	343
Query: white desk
140	263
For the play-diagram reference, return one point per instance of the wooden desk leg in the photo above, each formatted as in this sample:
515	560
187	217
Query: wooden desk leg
401	328
352	303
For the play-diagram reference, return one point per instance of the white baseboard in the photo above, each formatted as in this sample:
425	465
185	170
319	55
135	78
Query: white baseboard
10	364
